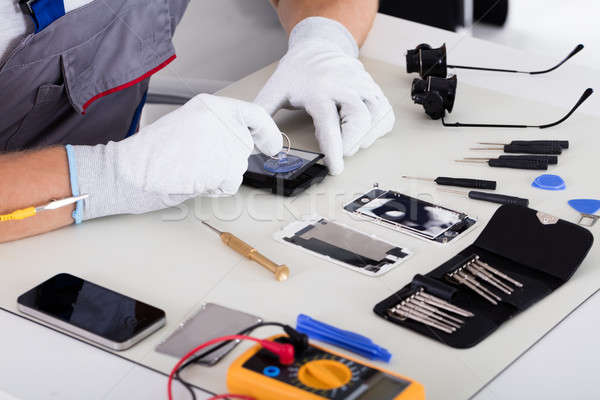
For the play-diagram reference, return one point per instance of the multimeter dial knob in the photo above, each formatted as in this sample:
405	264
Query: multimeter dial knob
324	374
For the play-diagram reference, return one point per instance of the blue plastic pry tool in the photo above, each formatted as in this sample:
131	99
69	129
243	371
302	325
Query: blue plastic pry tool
351	341
587	208
549	182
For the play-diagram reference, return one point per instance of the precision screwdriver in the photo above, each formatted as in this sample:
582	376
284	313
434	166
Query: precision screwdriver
563	144
281	272
459	182
528	149
508	163
551	160
491	197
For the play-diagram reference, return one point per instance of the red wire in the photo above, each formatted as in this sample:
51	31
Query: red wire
232	396
195	350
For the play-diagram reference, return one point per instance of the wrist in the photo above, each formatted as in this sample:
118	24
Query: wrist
93	172
72	161
113	176
324	29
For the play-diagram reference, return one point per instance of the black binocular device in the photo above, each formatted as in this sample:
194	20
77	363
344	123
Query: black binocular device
436	91
427	61
435	94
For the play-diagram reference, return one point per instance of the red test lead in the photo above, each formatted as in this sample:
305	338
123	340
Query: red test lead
284	351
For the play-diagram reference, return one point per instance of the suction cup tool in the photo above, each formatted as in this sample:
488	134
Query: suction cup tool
283	163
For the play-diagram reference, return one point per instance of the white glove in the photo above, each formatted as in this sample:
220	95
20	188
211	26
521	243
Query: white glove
322	74
200	148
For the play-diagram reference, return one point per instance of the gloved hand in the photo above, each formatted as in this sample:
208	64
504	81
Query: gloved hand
322	74
200	148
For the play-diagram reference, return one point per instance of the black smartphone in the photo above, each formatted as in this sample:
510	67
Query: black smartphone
286	183
92	312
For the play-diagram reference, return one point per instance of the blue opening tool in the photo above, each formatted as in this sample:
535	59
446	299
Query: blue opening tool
587	208
549	182
32	211
351	341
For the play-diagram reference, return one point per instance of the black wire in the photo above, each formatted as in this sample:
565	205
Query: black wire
198	357
576	50
587	93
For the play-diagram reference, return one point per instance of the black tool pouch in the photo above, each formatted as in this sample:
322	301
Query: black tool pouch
536	249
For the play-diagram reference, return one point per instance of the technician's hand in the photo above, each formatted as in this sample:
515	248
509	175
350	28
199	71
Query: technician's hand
201	148
322	74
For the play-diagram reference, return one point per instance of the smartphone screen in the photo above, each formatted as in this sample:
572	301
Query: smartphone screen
416	215
90	307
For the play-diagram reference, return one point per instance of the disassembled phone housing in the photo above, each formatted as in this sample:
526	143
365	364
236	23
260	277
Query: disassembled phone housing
343	245
412	216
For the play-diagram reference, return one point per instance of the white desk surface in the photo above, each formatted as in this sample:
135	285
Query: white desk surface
158	261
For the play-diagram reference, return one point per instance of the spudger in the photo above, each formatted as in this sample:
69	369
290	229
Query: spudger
564	144
459	182
491	197
516	164
527	149
551	160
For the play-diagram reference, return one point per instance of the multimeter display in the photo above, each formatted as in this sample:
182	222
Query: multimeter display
386	388
328	375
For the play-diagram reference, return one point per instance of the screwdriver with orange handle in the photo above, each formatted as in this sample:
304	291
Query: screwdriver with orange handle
33	211
281	272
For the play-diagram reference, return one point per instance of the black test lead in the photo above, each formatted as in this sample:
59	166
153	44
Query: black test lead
491	197
563	144
510	163
459	182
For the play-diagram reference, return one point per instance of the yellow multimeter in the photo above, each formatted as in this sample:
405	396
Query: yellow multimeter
316	374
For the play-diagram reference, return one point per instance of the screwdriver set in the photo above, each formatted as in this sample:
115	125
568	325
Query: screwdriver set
520	257
523	154
426	309
471	272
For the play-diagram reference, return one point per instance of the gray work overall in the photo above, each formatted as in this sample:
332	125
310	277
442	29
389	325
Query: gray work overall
82	79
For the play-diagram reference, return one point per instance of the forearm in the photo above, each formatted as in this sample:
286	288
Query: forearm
34	178
356	15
